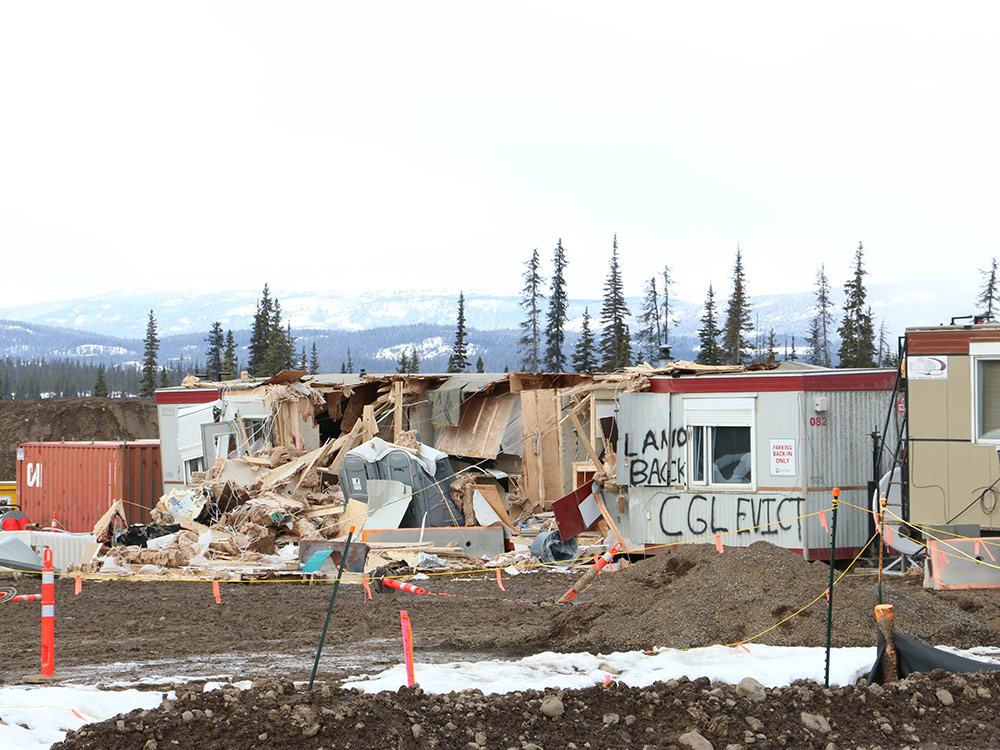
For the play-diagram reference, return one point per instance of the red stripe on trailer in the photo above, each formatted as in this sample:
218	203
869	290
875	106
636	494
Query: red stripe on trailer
189	396
874	380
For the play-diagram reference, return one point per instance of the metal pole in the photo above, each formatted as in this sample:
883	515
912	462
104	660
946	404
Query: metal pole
329	611
829	591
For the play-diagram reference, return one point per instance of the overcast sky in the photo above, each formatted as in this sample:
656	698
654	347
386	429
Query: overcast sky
433	145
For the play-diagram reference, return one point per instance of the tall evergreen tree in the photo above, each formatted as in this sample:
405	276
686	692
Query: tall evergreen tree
650	335
555	321
414	361
793	357
260	334
314	361
818	337
989	295
350	363
100	387
213	356
585	356
529	345
709	352
164	378
230	363
885	355
770	355
735	344
459	361
857	333
403	364
480	365
150	352
668	282
616	342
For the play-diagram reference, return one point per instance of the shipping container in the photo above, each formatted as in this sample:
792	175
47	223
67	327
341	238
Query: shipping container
750	456
75	483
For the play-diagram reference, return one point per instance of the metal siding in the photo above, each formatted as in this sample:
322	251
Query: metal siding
840	455
79	481
644	439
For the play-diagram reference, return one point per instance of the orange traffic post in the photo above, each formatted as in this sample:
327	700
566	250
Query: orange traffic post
48	673
409	588
404	621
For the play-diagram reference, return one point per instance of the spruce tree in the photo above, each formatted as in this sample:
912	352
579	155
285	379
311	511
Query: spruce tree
555	322
616	343
650	335
480	365
770	355
350	363
214	356
100	387
458	361
414	361
230	363
164	380
989	296
793	357
818	337
529	345
584	356
403	364
709	351
260	334
857	333
735	345
314	360
667	283
151	350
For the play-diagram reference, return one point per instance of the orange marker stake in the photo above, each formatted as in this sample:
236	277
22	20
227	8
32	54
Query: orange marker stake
827	594
78	586
822	521
368	589
607	680
741	646
404	621
888	535
500	580
216	592
718	544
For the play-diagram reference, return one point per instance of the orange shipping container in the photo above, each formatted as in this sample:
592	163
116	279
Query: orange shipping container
75	483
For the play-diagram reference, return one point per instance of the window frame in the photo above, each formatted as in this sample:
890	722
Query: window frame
707	413
981	353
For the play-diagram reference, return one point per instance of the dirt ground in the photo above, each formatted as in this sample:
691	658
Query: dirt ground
30	420
164	633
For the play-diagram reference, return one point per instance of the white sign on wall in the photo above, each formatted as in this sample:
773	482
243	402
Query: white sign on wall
927	368
782	458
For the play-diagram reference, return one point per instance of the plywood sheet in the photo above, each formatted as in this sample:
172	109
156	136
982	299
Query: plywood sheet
480	428
541	476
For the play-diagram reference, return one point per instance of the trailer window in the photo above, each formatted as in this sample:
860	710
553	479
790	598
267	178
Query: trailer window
987	405
720	455
720	440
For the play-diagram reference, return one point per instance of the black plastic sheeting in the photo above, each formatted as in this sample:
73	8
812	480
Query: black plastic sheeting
141	533
915	656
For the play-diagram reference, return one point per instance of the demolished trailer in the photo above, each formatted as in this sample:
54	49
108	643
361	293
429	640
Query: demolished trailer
751	453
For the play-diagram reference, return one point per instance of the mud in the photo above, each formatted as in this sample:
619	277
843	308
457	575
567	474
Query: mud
693	596
926	711
31	420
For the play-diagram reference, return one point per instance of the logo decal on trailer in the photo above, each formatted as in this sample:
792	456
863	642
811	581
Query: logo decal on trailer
34	475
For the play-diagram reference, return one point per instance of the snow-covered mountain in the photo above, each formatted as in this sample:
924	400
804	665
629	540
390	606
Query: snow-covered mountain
378	328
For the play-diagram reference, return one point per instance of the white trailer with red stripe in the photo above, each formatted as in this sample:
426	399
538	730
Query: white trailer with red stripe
751	457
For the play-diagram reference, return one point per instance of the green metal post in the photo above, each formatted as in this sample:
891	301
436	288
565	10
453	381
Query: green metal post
329	611
829	603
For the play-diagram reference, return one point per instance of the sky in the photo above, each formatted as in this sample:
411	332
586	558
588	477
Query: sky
434	145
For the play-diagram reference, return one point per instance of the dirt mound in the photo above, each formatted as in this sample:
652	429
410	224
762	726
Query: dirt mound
30	420
693	596
936	710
